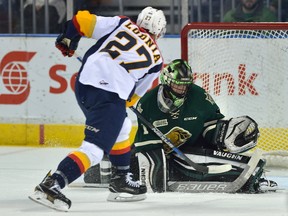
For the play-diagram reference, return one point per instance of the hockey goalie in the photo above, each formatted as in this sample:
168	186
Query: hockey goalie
192	121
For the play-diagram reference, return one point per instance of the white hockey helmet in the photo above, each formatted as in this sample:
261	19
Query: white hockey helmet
152	20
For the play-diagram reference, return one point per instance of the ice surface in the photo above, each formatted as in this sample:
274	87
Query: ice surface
22	168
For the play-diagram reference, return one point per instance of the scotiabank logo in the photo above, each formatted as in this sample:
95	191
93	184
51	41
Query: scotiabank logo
14	83
228	83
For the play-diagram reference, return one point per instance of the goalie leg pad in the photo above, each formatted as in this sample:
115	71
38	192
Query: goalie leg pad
244	182
258	183
183	177
152	170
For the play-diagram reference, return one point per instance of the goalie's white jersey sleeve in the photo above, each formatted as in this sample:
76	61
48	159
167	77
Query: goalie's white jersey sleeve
125	59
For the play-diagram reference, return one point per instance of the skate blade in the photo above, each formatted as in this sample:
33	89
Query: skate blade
125	197
87	185
265	189
41	198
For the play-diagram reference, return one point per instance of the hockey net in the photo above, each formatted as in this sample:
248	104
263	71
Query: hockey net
244	66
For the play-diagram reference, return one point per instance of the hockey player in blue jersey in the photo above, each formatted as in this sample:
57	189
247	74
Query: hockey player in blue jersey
115	73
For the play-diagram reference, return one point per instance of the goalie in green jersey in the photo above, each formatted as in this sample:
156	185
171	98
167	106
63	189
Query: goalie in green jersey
187	115
190	118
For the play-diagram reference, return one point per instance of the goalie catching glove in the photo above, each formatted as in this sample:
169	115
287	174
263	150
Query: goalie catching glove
237	134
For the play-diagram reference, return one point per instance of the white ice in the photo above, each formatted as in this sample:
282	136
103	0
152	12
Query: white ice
22	168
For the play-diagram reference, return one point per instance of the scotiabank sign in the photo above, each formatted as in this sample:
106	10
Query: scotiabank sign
56	73
240	83
15	85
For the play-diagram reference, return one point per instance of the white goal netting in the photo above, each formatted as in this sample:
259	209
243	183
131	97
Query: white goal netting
244	66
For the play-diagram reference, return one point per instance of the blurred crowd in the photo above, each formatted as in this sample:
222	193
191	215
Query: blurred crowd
37	17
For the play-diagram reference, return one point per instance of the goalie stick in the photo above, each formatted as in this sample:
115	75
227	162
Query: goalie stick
204	169
224	187
200	168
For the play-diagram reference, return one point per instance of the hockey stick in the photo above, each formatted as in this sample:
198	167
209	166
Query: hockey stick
78	57
166	140
224	187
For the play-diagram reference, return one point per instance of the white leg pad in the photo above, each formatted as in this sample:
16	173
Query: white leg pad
146	168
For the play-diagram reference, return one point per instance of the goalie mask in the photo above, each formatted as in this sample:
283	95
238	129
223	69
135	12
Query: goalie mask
176	78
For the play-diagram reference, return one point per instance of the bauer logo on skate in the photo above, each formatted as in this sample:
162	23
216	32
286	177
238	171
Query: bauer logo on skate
14	82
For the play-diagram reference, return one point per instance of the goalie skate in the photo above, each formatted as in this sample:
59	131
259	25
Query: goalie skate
266	185
48	193
124	189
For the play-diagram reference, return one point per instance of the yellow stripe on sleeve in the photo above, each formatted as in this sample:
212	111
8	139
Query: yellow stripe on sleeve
86	22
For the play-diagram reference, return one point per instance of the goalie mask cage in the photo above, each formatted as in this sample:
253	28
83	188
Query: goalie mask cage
244	67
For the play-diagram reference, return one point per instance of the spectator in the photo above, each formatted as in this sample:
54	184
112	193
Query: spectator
56	11
101	7
4	15
250	11
283	11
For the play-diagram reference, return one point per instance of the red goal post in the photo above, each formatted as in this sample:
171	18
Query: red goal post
244	66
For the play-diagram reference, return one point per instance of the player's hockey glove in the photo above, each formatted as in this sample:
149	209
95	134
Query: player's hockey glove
67	46
67	42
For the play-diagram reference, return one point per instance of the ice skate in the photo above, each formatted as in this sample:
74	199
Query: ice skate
48	193
266	185
124	189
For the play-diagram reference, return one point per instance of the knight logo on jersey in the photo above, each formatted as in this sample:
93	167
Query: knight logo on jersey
14	83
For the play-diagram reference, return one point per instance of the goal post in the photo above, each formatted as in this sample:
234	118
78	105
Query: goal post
244	66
